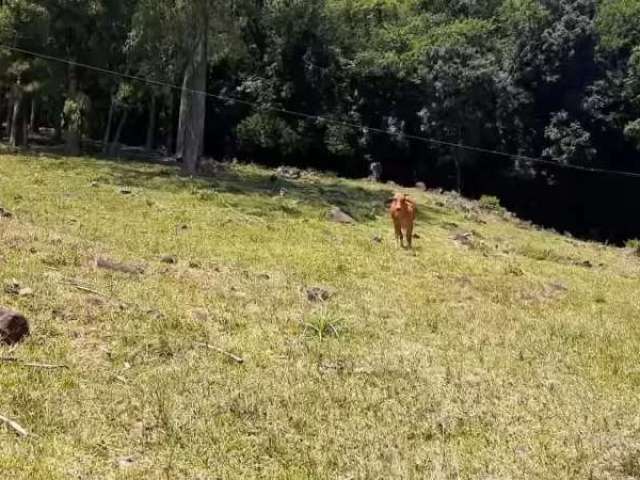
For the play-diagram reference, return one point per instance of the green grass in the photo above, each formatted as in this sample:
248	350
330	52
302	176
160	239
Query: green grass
505	353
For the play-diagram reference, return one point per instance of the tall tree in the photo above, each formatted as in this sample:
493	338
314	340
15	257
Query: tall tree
83	31
191	124
22	24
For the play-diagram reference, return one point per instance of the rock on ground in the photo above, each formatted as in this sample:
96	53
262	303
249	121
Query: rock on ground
13	327
289	172
170	259
338	216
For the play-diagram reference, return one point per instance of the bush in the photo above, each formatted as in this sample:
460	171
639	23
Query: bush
632	133
568	142
265	131
634	244
489	202
323	326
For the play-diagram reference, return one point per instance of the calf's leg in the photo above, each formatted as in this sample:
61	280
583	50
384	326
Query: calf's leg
398	228
409	234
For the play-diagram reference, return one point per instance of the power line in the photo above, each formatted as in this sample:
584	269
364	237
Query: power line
319	118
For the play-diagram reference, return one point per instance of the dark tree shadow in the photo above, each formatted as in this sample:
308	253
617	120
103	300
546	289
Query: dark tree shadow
363	204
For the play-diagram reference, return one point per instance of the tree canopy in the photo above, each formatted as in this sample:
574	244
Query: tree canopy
555	79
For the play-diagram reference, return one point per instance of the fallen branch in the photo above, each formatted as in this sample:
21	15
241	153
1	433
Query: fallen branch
118	267
15	361
86	289
83	288
233	357
15	426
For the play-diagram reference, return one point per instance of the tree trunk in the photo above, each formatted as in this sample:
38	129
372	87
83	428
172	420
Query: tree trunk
182	115
456	159
72	141
4	105
9	113
151	127
115	145
172	123
33	119
25	127
16	137
57	134
193	104
107	131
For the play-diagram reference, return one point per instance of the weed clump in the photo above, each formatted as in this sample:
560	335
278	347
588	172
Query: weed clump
634	246
491	203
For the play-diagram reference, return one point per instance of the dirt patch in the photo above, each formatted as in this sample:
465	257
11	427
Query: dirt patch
169	259
552	291
107	264
318	294
472	240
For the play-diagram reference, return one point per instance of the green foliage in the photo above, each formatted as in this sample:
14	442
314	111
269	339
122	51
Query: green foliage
266	131
128	95
632	81
340	140
618	24
519	15
75	113
569	142
553	78
23	20
22	23
632	132
634	244
489	202
323	325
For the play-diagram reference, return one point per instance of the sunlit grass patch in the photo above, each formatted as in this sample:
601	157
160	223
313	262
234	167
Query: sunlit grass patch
490	351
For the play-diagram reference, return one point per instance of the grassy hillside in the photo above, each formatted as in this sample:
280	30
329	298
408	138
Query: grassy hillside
492	351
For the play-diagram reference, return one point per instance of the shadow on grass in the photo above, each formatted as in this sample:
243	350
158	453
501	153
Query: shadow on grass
363	204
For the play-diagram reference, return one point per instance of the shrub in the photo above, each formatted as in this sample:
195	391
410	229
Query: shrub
323	326
266	131
489	202
634	244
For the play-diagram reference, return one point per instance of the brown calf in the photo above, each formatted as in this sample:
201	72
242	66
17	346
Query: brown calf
403	213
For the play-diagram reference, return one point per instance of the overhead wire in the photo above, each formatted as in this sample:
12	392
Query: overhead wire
319	118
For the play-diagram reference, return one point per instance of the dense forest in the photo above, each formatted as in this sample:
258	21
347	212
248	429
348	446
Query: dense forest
297	81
